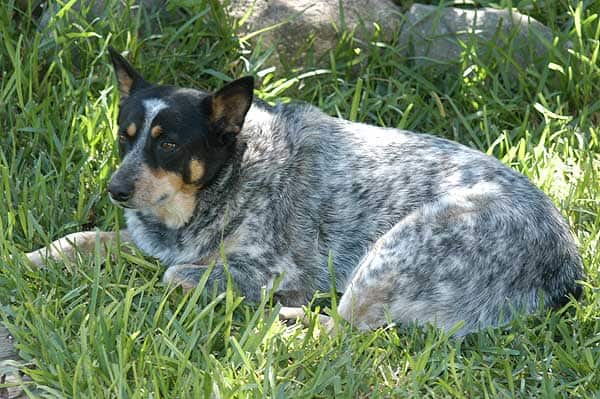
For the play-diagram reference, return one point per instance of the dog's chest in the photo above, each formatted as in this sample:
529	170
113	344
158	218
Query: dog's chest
171	247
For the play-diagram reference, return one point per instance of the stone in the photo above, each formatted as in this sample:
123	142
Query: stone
10	365
428	34
294	21
433	34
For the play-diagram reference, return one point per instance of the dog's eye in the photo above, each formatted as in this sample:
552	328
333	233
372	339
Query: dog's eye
123	138
168	146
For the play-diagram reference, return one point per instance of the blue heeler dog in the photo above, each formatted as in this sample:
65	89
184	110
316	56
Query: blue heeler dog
421	228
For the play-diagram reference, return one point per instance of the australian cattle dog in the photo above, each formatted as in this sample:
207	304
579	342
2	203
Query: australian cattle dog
419	228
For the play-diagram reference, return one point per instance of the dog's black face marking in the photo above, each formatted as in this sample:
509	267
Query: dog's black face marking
172	141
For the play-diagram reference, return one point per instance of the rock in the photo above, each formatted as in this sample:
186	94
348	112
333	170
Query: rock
10	365
7	347
299	19
428	34
432	34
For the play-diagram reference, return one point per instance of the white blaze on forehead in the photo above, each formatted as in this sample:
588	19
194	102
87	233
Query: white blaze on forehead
152	107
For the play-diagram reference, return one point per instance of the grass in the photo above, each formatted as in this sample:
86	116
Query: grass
106	327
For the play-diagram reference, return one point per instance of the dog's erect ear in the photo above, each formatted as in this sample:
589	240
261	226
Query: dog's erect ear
129	79
229	106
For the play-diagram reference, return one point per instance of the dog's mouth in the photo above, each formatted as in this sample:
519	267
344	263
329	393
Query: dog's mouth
162	200
122	204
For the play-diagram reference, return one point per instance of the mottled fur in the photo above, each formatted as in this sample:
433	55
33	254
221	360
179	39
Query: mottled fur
421	228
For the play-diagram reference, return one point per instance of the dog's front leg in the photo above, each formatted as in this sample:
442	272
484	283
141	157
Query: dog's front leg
247	276
249	282
67	247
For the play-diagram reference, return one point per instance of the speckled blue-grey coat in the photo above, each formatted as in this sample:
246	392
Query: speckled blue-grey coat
420	228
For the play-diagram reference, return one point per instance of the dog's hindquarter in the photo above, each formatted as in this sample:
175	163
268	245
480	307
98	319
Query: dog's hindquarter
455	261
471	240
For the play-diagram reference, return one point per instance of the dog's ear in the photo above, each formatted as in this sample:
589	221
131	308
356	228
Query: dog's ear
229	106
129	79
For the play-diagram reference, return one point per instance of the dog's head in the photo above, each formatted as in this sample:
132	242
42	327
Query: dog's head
172	141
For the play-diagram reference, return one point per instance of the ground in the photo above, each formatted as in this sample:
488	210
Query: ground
106	327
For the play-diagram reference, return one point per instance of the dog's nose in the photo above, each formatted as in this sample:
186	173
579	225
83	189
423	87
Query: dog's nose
119	192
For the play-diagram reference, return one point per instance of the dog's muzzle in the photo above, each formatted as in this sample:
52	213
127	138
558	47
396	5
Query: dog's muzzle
120	192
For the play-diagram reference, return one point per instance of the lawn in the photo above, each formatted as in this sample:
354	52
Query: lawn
106	326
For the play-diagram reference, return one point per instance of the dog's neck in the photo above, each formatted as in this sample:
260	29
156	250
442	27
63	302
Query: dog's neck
225	182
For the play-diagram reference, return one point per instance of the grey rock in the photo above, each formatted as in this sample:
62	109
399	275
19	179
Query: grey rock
10	365
433	34
294	21
428	34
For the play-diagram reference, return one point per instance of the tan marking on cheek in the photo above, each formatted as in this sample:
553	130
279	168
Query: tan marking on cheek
131	129
167	196
156	131
179	211
174	180
171	178
197	170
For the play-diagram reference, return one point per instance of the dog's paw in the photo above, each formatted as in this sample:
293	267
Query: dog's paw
74	244
37	259
184	276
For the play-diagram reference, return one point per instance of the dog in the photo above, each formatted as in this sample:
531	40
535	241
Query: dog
419	228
